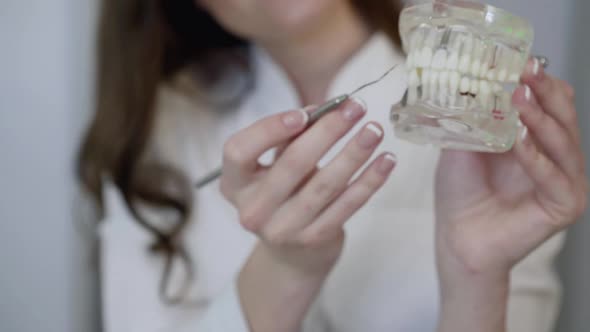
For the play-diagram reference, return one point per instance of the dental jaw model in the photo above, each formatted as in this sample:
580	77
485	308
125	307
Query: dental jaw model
464	61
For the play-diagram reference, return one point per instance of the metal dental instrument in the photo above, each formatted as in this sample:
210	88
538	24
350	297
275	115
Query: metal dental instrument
322	110
543	60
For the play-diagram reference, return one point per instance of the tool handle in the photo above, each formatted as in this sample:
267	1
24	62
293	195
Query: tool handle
317	114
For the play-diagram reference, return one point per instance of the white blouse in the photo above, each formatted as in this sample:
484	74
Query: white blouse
386	277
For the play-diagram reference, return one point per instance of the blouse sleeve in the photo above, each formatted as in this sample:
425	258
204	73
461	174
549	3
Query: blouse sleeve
535	293
129	284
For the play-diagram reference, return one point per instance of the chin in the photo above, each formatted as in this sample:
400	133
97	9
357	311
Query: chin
268	19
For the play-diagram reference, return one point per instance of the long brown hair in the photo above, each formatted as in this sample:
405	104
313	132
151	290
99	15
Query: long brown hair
141	44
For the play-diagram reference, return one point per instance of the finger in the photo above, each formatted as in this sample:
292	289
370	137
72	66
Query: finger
553	193
301	209
242	151
283	146
554	97
301	157
552	138
333	218
569	90
554	189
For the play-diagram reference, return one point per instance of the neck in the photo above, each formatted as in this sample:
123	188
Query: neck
313	59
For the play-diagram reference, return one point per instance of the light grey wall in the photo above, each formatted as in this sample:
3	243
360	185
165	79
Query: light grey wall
46	283
575	263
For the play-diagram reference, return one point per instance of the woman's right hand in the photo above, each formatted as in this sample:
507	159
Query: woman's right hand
297	210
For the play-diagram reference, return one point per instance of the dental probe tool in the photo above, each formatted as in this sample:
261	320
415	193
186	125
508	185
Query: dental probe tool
317	114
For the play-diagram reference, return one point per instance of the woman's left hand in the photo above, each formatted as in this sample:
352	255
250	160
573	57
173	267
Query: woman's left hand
494	209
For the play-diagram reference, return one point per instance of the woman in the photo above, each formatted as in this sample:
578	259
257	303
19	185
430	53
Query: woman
185	82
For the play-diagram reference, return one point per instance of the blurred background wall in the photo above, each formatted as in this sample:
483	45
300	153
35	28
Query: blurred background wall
575	261
47	282
47	273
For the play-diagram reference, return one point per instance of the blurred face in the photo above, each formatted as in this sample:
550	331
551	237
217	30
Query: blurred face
268	20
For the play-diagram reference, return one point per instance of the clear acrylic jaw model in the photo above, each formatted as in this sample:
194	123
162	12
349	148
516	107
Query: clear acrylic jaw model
464	61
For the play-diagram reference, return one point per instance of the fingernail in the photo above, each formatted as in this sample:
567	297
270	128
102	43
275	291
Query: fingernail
370	136
295	119
359	101
387	164
356	111
527	93
536	66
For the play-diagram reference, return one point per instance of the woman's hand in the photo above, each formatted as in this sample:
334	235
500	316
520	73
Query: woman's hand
494	209
297	210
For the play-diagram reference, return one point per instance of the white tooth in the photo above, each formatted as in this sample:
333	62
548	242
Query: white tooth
416	39
475	66
439	61
443	82
485	63
456	42
465	57
465	64
425	57
414	79
453	61
491	75
516	67
416	54
502	75
483	71
474	87
505	63
514	78
465	85
434	75
410	62
454	51
517	62
430	40
497	88
454	79
487	67
493	62
468	45
426	73
478	54
444	78
485	91
479	48
496	61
